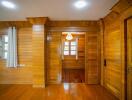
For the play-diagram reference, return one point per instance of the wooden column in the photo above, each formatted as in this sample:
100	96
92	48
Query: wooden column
38	50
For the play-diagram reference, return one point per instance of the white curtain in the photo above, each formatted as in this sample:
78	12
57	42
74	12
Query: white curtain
12	48
76	48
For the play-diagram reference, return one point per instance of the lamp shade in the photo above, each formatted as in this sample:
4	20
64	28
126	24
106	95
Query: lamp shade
69	36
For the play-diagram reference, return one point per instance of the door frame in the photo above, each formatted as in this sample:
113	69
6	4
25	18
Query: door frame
85	32
125	57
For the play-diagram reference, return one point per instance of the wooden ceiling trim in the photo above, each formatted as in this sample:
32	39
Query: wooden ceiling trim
38	20
74	29
121	6
72	23
4	24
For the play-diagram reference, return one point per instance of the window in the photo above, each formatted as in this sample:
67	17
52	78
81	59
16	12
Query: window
66	48
70	47
3	46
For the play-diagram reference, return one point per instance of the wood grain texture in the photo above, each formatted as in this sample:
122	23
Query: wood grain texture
73	75
54	63
92	52
20	75
129	58
78	26
18	24
38	44
114	51
121	6
38	20
73	26
38	50
125	15
55	92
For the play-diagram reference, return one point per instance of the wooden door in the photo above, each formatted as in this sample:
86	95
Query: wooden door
129	59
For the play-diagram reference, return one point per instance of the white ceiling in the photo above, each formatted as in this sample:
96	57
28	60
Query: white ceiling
56	10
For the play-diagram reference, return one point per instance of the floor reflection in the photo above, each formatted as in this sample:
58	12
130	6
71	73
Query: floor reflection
66	86
66	91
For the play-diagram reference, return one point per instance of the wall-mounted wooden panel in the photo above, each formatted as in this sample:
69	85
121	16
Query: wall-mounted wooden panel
114	48
20	75
112	53
92	52
54	65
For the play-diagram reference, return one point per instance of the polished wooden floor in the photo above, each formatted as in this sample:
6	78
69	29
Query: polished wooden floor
72	91
73	75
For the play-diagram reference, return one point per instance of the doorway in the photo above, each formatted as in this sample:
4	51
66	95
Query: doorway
128	57
73	57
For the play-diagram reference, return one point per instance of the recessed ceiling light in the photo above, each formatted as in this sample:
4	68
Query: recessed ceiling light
8	4
80	4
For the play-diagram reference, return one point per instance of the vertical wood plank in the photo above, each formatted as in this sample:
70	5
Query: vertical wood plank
54	61
92	69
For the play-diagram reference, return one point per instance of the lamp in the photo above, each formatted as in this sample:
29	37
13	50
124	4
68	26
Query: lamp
69	36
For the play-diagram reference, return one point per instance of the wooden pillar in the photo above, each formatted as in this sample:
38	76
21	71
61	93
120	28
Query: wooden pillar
38	50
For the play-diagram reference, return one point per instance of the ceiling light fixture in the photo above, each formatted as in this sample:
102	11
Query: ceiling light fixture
8	4
69	36
80	4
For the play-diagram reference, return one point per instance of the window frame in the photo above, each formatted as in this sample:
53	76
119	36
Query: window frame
70	45
3	43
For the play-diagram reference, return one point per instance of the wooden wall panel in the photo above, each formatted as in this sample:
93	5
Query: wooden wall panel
92	28
92	66
112	53
54	66
20	75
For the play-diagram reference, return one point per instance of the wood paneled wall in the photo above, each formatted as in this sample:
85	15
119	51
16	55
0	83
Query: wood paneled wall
70	62
91	28
29	45
54	63
112	55
92	58
20	75
113	51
